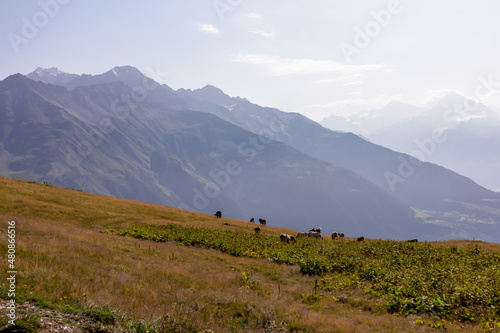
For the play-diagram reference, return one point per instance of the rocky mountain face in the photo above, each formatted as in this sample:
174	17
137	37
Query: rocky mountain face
206	151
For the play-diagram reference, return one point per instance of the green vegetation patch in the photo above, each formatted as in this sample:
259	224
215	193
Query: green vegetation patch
410	278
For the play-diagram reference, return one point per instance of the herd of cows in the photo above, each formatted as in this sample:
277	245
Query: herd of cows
313	233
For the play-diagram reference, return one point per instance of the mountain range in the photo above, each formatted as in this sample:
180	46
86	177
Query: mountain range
121	133
466	134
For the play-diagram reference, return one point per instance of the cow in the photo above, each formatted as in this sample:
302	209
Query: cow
301	234
314	234
257	230
334	235
252	220
361	239
287	238
341	235
218	214
318	230
311	234
412	240
262	221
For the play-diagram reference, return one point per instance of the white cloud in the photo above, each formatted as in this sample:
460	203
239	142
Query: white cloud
355	76
254	16
352	83
208	28
288	66
262	32
327	81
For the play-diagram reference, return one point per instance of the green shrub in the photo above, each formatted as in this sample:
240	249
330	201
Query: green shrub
443	281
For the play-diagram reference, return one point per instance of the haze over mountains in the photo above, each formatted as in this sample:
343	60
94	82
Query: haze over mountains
466	136
122	134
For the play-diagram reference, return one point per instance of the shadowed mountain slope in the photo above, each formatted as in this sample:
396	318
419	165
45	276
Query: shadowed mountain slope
88	138
443	197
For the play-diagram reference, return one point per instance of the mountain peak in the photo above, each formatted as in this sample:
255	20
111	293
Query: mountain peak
40	71
394	104
51	75
212	88
128	75
15	78
213	94
451	99
125	70
19	81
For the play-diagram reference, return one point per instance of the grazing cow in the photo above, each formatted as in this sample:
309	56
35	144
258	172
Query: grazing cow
318	230
341	235
218	214
314	234
311	234
287	238
262	221
334	235
412	240
252	220
361	239
257	230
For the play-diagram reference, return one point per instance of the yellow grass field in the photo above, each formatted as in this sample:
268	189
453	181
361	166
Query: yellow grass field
68	259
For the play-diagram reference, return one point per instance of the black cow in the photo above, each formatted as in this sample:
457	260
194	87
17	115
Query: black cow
361	239
262	221
252	220
218	214
257	230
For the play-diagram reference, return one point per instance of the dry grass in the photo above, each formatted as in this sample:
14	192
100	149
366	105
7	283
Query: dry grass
63	255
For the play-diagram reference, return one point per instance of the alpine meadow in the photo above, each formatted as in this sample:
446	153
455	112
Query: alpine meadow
131	266
249	166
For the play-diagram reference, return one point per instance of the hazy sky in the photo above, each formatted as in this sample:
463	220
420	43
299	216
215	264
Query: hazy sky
315	57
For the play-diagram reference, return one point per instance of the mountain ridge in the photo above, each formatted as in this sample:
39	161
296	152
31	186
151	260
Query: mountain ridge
341	149
177	157
455	132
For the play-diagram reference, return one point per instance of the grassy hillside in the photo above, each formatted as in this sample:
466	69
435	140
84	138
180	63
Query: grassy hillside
91	261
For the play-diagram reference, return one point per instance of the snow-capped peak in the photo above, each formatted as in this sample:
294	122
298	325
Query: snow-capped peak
51	75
